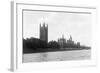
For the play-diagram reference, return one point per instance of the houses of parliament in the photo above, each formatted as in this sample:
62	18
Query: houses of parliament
61	41
44	32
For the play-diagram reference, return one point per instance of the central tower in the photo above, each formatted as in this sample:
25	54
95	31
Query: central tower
44	32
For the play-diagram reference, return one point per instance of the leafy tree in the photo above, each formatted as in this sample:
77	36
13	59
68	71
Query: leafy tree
53	44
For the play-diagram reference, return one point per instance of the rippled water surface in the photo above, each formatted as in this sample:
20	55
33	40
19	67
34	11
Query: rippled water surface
57	56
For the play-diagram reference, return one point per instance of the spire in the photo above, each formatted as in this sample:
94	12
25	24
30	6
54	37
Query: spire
63	36
70	37
46	25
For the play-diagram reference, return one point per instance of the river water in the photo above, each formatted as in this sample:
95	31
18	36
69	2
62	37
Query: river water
57	56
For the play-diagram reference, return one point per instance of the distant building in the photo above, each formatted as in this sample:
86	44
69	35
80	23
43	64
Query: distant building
62	41
70	41
44	32
78	44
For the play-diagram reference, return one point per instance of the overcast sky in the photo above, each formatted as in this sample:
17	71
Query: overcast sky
74	24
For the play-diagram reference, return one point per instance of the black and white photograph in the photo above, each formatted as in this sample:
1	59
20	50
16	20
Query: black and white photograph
56	36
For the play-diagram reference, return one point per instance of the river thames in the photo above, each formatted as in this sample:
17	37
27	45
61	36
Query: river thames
57	56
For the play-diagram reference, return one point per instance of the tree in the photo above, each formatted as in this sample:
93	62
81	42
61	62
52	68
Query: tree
34	43
53	44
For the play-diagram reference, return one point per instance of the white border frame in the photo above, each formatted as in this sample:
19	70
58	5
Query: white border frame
16	51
